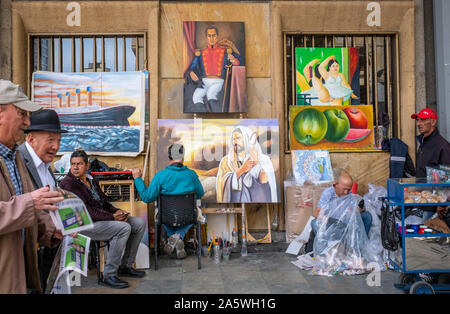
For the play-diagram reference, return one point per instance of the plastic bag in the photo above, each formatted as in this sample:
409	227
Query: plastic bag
63	164
389	235
373	201
341	243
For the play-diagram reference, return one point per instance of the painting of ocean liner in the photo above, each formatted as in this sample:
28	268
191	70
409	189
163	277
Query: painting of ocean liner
103	111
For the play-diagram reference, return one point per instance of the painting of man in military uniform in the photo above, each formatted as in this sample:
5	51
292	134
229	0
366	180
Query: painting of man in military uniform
214	67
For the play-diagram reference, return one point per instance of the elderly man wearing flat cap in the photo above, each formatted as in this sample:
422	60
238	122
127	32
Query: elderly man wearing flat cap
39	150
23	220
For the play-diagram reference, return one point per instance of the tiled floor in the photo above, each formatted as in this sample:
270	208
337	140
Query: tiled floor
257	273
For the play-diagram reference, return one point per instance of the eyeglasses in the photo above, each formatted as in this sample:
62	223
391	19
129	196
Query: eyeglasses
20	112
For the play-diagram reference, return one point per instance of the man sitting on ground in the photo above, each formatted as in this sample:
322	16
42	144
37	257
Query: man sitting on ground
175	179
341	187
111	224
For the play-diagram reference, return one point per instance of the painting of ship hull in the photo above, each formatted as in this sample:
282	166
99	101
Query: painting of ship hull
103	112
114	116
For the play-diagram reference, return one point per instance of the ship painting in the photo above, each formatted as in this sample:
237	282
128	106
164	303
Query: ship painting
88	114
103	112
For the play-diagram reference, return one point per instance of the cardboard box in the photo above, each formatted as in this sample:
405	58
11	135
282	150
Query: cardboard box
301	201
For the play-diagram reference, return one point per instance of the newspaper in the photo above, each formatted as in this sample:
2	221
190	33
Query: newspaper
72	215
301	240
72	256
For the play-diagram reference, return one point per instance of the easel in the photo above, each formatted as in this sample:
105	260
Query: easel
268	237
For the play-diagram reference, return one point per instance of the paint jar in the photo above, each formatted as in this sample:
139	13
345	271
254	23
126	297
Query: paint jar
416	228
410	231
428	231
216	253
422	229
205	250
226	253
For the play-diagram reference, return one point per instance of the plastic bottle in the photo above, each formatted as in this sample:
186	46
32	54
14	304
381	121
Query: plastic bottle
234	236
216	253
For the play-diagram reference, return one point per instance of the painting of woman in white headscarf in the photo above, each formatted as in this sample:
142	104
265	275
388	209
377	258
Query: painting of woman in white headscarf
237	160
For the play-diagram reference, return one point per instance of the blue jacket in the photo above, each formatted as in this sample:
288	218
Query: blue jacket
172	180
400	164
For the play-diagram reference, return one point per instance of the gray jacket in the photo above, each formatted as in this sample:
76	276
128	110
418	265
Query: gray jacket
28	161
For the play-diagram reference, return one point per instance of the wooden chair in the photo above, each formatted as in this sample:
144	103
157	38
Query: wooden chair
176	211
99	255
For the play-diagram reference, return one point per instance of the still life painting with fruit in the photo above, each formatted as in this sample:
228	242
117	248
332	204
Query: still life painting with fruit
331	127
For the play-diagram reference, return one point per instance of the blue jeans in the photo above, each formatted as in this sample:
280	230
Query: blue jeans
180	230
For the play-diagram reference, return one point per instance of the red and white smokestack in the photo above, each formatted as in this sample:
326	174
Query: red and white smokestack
78	95
89	95
59	105
67	99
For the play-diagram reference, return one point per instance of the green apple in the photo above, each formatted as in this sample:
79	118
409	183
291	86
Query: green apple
338	125
309	126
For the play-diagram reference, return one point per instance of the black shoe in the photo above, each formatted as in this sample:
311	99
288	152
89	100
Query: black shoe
114	282
130	272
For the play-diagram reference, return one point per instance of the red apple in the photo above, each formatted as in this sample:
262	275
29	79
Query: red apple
357	118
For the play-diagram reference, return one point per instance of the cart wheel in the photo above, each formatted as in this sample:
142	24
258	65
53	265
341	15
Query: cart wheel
406	280
421	287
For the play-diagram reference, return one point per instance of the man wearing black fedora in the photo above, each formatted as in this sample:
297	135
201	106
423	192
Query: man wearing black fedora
40	148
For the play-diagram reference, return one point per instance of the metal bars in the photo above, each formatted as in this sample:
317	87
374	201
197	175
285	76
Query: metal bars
62	55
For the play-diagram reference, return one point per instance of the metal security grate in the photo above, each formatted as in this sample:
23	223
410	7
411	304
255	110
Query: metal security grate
88	53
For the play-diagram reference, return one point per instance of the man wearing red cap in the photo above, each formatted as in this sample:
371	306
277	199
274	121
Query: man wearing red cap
434	150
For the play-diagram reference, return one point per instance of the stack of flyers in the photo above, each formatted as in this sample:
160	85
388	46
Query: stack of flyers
72	256
72	215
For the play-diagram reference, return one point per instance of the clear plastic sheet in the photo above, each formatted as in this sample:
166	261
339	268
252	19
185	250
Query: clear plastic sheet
341	245
373	204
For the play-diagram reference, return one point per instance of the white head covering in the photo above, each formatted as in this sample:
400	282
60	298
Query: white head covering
264	162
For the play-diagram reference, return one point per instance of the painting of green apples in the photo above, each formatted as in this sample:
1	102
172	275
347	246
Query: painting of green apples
331	127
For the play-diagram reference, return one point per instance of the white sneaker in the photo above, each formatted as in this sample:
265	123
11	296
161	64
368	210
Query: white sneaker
171	242
181	253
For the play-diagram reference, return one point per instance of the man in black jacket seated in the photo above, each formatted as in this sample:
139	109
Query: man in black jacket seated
123	232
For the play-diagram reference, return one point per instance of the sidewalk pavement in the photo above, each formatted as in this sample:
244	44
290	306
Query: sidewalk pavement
265	270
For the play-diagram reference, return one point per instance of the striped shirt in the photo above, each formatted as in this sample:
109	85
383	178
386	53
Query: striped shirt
9	156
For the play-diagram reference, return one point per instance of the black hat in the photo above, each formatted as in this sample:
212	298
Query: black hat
45	120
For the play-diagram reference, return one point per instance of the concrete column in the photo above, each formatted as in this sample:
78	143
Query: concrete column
421	91
5	40
442	48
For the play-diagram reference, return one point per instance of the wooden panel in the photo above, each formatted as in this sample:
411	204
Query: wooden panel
365	168
254	15
258	100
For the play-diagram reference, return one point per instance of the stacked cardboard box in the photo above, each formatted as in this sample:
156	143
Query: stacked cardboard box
300	203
